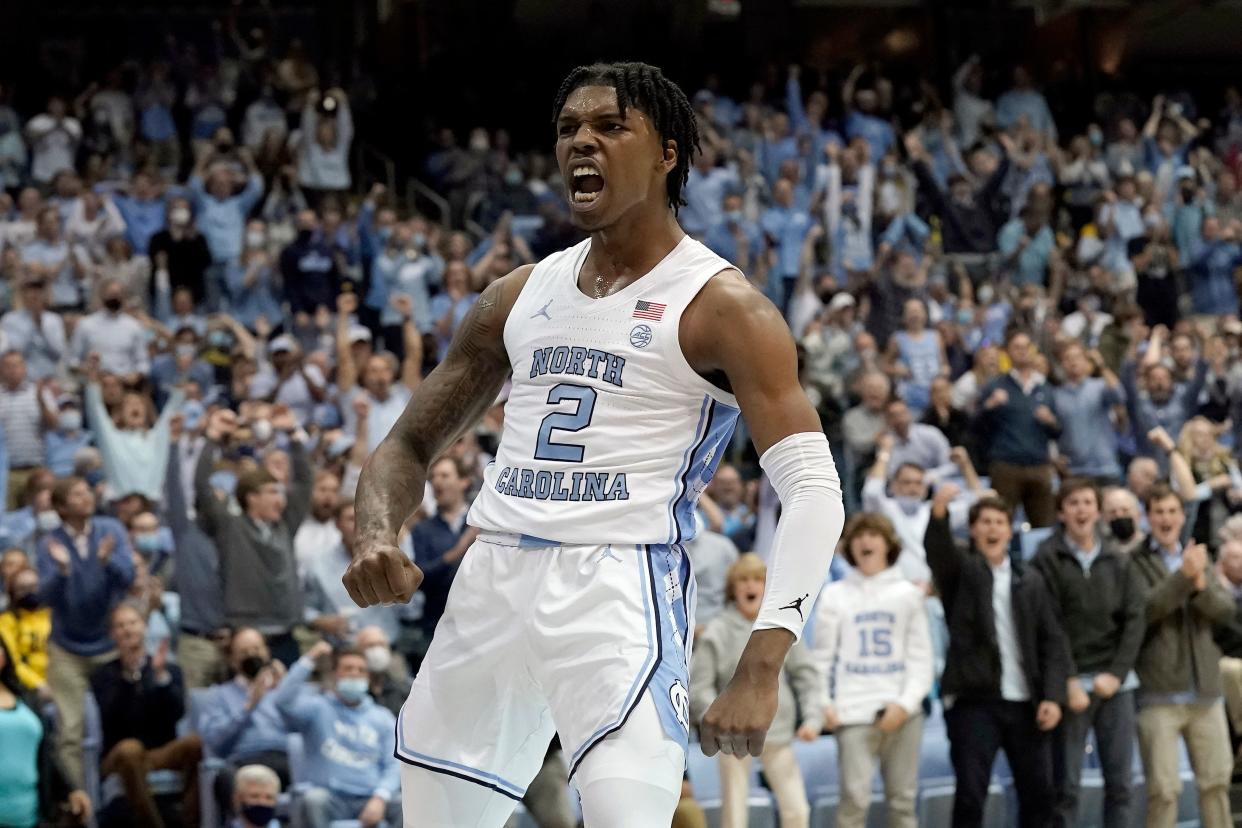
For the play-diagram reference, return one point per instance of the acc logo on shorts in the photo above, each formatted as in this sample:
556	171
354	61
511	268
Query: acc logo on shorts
640	337
680	698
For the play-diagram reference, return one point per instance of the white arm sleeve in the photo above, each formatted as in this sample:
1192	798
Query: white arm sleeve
812	517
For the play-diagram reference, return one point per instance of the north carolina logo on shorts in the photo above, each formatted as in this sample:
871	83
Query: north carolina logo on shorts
680	698
640	337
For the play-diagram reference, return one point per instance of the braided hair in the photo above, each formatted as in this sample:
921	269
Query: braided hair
645	87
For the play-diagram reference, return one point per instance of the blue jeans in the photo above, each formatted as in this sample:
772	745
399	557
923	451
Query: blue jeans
320	807
1113	721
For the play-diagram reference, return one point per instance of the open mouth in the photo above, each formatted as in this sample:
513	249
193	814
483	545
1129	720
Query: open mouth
586	183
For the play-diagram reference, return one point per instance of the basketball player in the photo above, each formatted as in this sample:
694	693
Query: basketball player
631	356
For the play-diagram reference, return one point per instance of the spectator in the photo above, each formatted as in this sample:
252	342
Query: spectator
258	790
735	237
786	227
323	148
350	739
1228	636
1210	264
141	699
221	208
329	609
261	535
966	213
197	574
908	508
801	688
384	688
440	541
1159	402
53	138
250	283
873	643
379	400
944	416
712	554
1024	103
142	209
85	568
26	409
1100	601
705	191
916	356
728	508
451	305
1007	667
1029	250
25	627
318	536
915	444
117	337
238	719
35	332
33	782
180	254
1084	405
49	256
1179	668
1016	422
309	269
134	445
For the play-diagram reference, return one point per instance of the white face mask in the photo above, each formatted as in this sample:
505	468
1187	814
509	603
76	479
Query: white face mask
262	430
378	658
255	238
47	521
179	216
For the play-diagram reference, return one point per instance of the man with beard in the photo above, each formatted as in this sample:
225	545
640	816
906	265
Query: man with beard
318	533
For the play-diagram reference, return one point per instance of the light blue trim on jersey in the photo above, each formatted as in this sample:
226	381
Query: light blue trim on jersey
721	420
488	780
670	686
685	464
646	585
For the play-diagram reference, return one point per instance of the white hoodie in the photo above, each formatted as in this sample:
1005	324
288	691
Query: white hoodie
872	641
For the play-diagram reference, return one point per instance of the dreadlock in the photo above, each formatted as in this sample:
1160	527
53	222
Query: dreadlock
645	87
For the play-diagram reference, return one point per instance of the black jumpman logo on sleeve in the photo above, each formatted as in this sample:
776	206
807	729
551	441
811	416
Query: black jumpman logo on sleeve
796	604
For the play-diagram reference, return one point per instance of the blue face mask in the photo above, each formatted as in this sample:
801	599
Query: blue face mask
734	216
224	481
385	233
420	241
148	542
351	690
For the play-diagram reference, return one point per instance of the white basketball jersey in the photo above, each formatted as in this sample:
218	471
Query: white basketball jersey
609	434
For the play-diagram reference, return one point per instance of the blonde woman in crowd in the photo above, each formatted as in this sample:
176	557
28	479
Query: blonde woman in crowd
716	654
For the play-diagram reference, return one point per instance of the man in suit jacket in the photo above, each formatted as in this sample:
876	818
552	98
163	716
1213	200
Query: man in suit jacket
85	568
257	563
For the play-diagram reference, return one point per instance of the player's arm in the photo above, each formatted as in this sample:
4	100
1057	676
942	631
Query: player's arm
731	329
451	400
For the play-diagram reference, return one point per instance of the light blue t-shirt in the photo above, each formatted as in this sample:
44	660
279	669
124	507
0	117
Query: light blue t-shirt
1032	263
20	733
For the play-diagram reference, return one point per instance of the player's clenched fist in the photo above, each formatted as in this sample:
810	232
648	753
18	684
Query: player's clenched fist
380	573
738	720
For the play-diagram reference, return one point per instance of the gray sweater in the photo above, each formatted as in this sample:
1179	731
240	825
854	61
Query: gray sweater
260	577
716	654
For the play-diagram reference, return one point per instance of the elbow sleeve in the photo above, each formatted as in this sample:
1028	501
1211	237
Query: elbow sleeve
802	471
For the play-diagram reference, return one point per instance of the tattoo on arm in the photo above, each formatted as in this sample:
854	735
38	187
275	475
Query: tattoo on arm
451	400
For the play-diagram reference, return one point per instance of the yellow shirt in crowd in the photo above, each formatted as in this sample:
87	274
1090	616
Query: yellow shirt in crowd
25	634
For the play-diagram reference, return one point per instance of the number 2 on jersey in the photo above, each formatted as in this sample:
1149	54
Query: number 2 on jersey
548	449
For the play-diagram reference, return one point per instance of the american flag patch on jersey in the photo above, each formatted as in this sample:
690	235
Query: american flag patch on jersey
649	310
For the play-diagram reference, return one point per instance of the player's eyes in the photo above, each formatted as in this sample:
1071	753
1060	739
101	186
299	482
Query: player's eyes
614	127
566	130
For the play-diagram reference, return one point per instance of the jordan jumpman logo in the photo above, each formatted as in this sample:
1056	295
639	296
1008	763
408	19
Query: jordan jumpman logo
796	604
543	311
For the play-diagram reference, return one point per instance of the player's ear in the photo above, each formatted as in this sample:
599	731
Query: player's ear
669	159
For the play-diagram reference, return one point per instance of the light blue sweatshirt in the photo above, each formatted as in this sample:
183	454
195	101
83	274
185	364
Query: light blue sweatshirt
134	461
349	750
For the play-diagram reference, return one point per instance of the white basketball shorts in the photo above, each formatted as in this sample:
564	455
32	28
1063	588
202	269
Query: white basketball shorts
539	639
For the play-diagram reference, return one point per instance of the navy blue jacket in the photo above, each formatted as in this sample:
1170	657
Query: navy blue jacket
1010	431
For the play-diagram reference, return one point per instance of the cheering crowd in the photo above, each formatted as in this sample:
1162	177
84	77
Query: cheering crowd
1017	316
